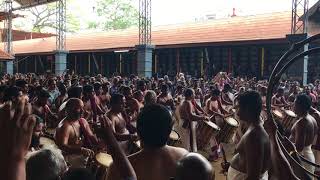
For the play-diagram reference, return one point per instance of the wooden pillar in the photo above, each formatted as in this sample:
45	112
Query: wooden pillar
35	64
155	63
262	61
120	63
178	60
89	63
201	63
229	60
101	65
75	63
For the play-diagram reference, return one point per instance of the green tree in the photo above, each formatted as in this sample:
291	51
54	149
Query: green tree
115	14
43	19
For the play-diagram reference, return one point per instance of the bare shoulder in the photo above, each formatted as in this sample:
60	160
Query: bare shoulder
177	152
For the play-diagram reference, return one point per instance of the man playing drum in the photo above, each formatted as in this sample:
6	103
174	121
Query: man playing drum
253	151
189	117
120	121
69	134
304	130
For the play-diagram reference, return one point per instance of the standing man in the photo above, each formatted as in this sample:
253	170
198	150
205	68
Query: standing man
304	130
189	118
156	160
252	156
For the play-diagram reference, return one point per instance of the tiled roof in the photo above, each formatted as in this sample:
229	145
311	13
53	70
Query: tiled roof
245	28
5	56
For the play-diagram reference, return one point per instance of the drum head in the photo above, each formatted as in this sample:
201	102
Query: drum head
213	125
290	113
278	113
104	159
174	135
233	122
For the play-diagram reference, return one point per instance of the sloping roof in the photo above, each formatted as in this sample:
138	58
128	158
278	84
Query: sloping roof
5	56
246	28
314	12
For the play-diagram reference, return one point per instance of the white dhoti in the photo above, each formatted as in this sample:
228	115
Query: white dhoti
308	154
185	136
76	160
234	174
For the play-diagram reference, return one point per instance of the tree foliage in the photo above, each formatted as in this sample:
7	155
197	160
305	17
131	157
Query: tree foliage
114	14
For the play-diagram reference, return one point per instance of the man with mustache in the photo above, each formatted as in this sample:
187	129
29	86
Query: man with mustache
73	134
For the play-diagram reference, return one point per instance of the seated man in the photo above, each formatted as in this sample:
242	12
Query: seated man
194	167
73	134
156	160
305	129
251	160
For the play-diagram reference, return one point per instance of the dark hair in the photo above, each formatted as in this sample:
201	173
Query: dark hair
215	92
97	86
11	92
50	81
141	83
21	83
78	174
115	98
75	92
62	88
154	125
87	89
188	92
251	100
304	102
43	94
164	87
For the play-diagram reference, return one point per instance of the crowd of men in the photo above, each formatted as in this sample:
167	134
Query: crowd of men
133	119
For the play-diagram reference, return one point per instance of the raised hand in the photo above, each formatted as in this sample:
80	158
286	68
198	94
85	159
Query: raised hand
16	127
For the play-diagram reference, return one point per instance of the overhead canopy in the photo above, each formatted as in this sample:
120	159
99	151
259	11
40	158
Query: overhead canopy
3	16
5	56
31	3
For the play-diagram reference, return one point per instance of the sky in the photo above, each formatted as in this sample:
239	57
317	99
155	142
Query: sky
180	11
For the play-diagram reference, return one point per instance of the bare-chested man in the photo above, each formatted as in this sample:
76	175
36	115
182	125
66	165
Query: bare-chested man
304	130
165	98
214	106
253	151
42	110
120	121
316	144
132	105
278	100
91	104
73	134
156	160
188	116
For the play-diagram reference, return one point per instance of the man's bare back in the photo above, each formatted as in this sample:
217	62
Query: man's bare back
158	164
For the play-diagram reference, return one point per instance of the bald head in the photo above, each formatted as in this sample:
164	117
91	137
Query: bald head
194	167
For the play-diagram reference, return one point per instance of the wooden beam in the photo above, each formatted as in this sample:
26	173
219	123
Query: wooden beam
95	61
41	63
